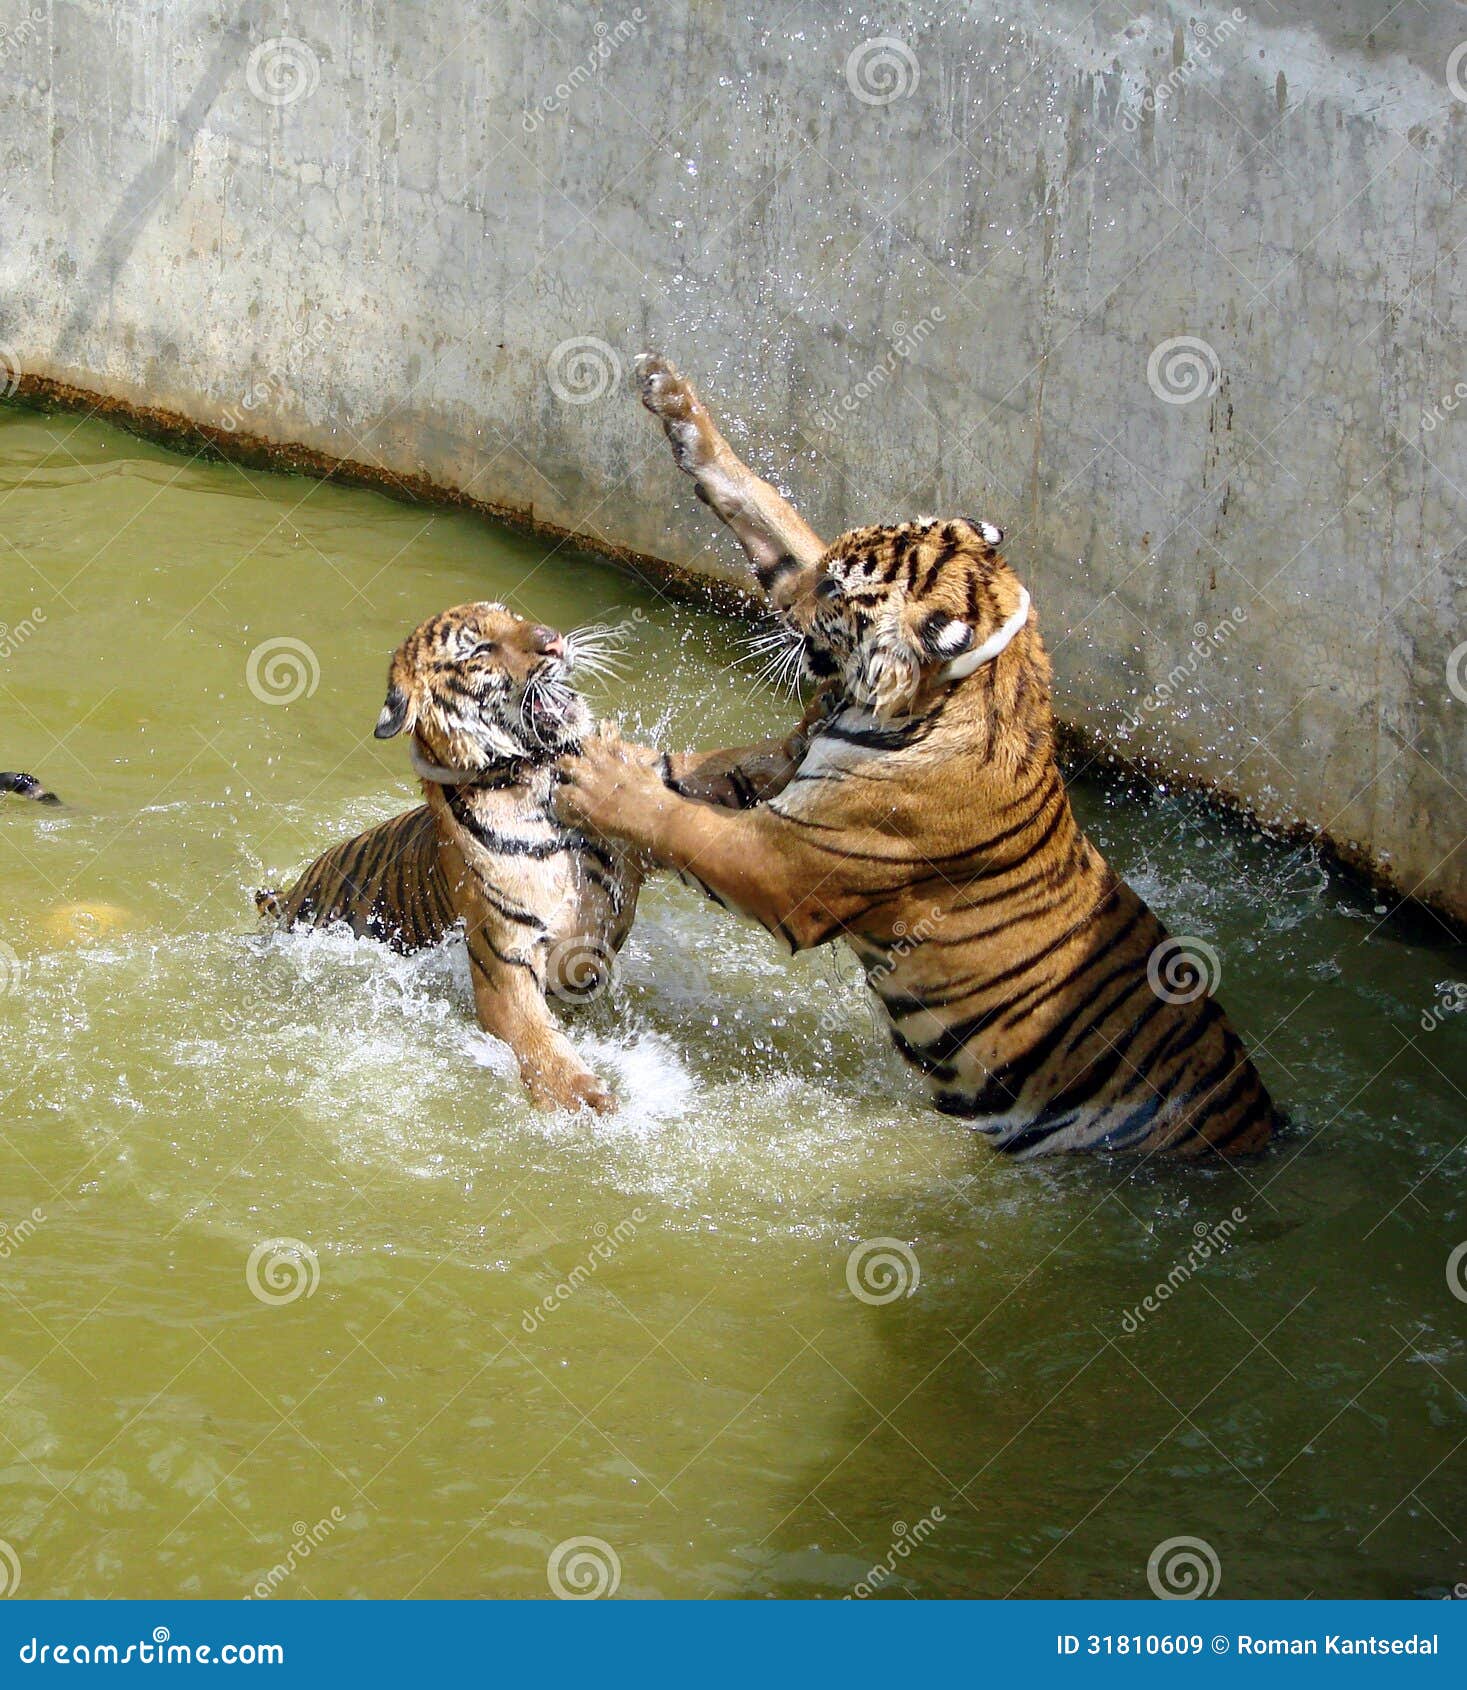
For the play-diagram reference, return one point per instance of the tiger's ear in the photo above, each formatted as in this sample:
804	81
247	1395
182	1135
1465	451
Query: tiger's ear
397	713
945	637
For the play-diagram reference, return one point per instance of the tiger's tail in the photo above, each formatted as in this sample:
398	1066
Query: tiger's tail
27	786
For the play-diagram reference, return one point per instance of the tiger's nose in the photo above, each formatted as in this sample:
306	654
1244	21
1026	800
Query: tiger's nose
548	642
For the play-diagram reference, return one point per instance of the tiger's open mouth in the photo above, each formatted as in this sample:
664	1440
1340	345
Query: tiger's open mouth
552	715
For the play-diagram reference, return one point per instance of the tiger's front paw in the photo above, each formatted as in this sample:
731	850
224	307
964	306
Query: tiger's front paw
569	1088
608	786
672	398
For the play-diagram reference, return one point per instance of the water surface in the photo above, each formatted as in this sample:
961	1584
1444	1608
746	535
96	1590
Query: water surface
523	1329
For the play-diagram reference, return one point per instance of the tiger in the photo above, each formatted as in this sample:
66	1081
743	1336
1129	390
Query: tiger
27	786
926	823
487	699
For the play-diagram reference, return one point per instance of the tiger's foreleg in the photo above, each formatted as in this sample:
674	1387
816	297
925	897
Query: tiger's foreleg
781	546
745	775
755	862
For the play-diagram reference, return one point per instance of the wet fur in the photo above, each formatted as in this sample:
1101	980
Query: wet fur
926	823
27	786
543	909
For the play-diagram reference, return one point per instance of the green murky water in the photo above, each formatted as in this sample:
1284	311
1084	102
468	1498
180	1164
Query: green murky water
522	1330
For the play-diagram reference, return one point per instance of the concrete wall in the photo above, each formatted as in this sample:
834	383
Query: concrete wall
939	273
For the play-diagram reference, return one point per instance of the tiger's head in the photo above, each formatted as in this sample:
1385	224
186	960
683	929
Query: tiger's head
479	685
894	613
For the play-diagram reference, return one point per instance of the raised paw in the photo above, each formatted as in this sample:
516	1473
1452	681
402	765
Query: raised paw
670	396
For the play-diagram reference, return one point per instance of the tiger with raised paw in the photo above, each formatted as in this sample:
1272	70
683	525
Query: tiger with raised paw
921	816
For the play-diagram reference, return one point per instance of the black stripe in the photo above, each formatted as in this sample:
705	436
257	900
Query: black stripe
766	574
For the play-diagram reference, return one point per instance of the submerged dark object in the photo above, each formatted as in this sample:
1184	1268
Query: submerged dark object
27	786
